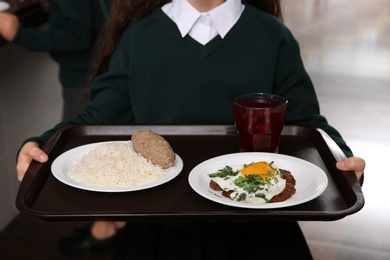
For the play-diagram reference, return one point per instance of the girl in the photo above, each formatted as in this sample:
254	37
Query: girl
182	62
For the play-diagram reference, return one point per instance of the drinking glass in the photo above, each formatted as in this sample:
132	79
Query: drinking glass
259	119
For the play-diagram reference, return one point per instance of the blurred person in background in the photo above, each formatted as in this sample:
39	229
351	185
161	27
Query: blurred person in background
73	30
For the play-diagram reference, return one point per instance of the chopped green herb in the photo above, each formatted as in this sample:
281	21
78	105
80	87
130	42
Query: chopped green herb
241	197
226	171
261	195
251	183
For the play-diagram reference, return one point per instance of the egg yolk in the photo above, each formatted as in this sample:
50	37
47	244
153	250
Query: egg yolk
259	168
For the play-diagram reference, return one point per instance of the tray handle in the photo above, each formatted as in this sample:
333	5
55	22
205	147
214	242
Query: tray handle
338	154
350	175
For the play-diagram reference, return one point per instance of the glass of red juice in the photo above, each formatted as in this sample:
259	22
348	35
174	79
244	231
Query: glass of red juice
259	119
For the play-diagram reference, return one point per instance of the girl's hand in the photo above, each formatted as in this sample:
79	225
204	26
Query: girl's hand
29	152
9	26
355	164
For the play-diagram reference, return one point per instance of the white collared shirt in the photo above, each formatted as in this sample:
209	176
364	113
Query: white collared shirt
203	27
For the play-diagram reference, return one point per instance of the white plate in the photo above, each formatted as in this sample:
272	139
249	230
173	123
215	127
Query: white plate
311	181
4	6
65	161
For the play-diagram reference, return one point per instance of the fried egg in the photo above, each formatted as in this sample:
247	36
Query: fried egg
253	183
264	169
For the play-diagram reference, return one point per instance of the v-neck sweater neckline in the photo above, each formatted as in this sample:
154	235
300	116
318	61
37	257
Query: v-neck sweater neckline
213	44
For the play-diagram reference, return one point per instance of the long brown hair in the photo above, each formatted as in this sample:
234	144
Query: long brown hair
125	12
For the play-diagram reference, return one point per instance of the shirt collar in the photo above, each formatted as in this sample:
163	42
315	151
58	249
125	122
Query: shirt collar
224	16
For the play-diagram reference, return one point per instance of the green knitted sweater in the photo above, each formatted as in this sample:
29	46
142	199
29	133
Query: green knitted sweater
158	77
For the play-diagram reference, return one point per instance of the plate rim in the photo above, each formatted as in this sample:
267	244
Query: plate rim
178	164
193	178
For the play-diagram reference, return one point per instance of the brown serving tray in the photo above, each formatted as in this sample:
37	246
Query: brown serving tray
43	196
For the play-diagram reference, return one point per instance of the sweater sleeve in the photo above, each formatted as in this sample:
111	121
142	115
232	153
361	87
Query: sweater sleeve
292	81
70	29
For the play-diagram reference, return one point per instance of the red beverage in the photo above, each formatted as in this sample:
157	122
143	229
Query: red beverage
259	120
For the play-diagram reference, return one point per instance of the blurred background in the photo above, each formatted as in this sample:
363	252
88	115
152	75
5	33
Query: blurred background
346	49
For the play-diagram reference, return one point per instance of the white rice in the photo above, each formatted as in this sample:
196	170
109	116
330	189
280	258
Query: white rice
115	165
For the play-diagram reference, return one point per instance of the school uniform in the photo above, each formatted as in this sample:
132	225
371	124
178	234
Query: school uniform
159	76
